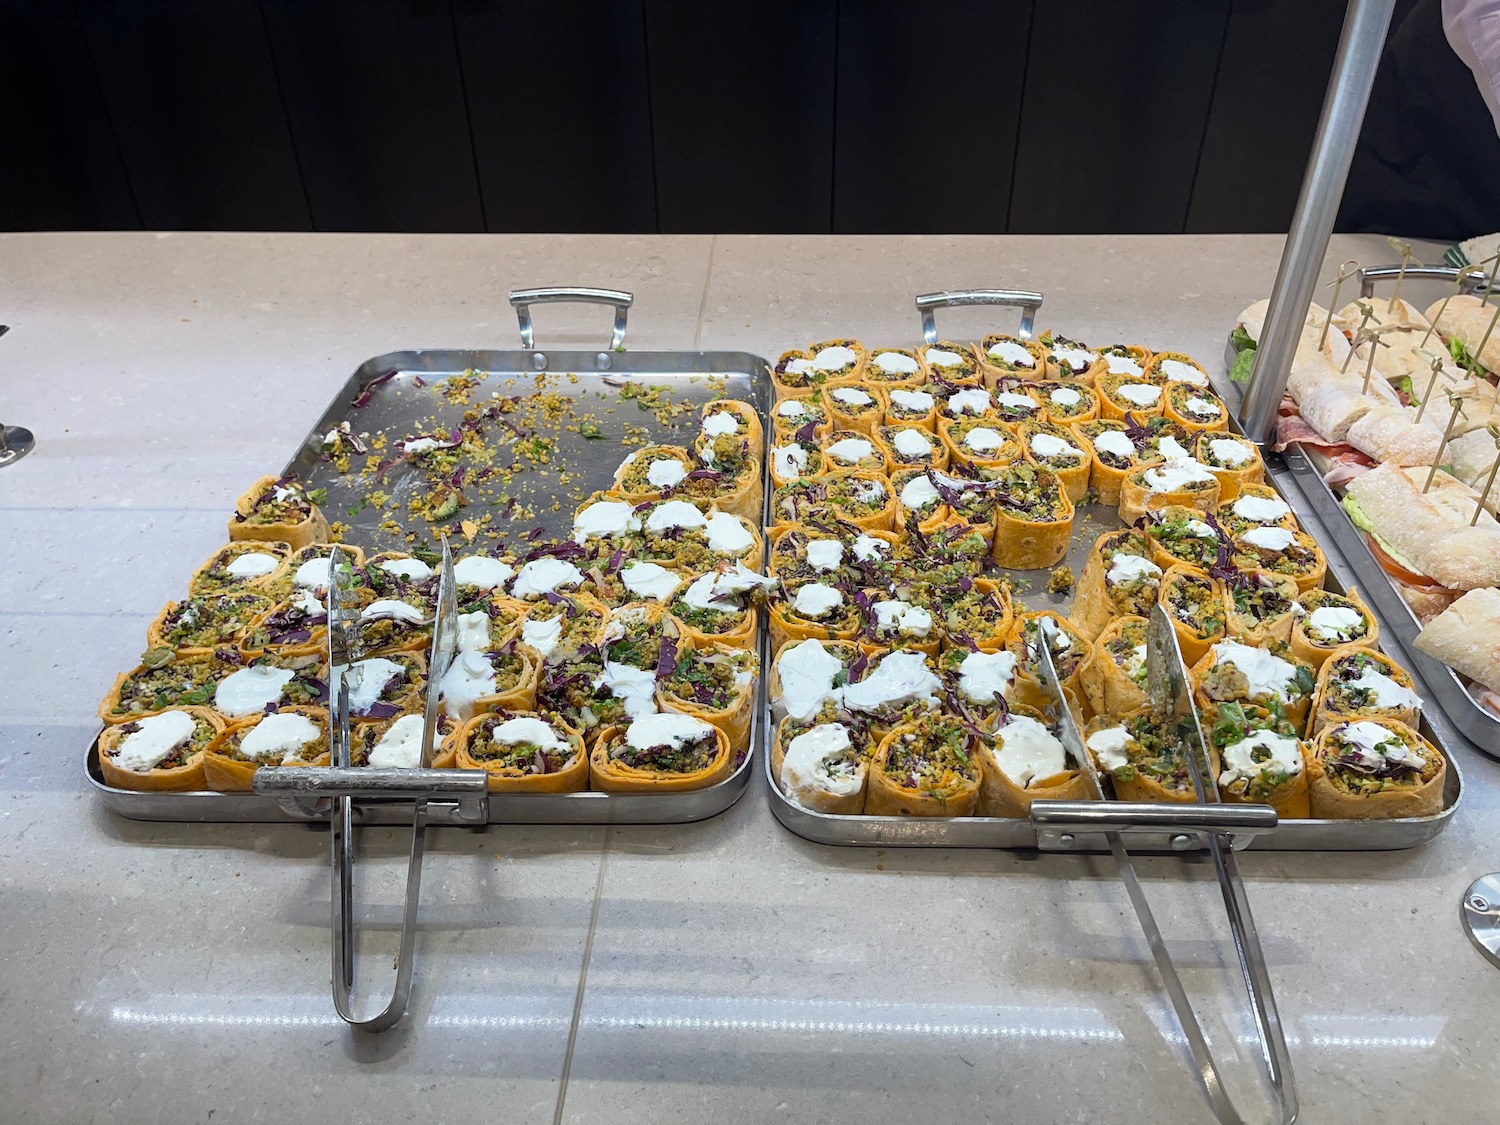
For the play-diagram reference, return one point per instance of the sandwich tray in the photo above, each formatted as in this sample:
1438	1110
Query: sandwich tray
374	400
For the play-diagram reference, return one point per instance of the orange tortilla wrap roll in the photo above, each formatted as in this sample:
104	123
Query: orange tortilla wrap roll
728	476
975	612
524	752
164	683
1113	455
838	361
1256	505
1262	761
399	623
1357	683
1195	603
746	419
1118	579
1181	481
1033	518
856	451
1125	359
895	367
721	606
1330	621
277	511
1022	761
823	766
1069	359
1001	356
396	743
1113	676
863	499
200	624
649	472
1260	607
558	630
798	411
951	363
891	688
796	458
1293	553
714	683
1069	650
1182	535
853	406
1195	409
910	406
1056	449
1016	402
814	670
249	565
888	621
382	687
1266	676
291	736
1065	402
911	447
1143	759
295	627
1174	367
917	498
488	681
660	753
1365	770
1135	395
927	767
162	753
1235	461
812	609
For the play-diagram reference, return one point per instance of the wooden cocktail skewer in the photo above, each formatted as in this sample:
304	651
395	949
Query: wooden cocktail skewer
1402	247
1458	284
1372	337
1489	283
1494	432
1367	314
1344	274
1436	363
1457	399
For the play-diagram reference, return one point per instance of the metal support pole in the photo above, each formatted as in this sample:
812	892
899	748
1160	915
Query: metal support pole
1365	25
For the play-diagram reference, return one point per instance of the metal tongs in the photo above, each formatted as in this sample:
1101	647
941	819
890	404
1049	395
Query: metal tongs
332	790
1209	821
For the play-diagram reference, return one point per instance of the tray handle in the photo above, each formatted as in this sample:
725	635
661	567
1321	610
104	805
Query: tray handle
1473	277
522	300
1022	299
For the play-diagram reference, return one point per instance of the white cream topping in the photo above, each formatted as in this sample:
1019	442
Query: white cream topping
1266	673
1384	691
815	600
918	402
1269	538
1333	623
982	439
848	451
636	689
1260	509
674	513
727	535
391	609
252	564
791	408
895	363
468	679
1172	449
1175	475
400	747
798	366
1064	396
902	618
1228	451
542	635
974	400
1028	751
804	765
665	473
1282	755
544	576
665	729
1364	736
984	675
790	460
1140	394
158	737
413	570
899	678
912	443
1178	372
1115	442
1127	568
367	679
1108	747
1122	365
1012	353
852	396
835	358
602	520
525	728
473	631
938	357
424	445
918	492
806	671
721	424
650	580
280	735
483	572
1201	407
1073	357
314	573
1049	445
1013	401
824	554
867	548
1200	530
248	690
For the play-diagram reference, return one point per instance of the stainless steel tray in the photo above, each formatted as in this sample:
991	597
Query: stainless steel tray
399	404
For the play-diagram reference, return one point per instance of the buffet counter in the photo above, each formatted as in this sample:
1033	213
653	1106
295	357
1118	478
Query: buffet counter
725	970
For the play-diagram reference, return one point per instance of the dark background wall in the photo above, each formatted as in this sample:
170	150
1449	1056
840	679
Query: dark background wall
848	116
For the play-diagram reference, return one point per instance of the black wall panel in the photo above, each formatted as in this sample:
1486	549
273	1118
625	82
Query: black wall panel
375	100
1264	113
1116	100
193	97
742	114
923	83
561	119
61	169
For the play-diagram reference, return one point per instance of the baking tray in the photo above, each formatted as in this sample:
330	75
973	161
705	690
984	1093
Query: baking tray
409	401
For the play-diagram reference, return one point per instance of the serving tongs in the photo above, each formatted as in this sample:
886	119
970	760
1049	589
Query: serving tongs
1206	823
333	790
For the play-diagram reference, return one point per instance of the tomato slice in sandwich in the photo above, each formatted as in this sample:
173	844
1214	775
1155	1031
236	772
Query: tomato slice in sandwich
1396	570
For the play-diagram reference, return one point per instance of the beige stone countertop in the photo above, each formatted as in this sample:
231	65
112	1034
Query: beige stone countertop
725	971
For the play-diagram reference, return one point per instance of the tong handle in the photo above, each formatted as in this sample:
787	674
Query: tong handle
1126	816
1023	299
1473	277
522	300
